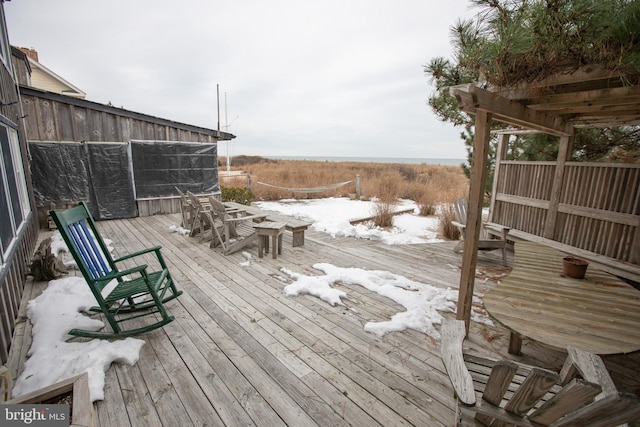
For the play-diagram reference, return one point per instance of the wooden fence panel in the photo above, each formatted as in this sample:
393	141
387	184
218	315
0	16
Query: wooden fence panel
598	209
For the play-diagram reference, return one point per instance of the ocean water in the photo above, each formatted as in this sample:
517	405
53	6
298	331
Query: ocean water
408	160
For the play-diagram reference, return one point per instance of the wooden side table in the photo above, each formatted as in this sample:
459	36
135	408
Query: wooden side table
267	229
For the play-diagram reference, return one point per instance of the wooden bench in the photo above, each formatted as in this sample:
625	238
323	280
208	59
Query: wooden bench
295	226
504	392
486	243
608	264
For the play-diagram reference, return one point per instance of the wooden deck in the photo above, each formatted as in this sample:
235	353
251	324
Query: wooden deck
241	353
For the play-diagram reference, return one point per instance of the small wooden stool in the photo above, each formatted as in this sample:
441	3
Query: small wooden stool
267	229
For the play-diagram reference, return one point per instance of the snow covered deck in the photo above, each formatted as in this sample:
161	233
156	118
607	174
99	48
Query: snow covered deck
242	353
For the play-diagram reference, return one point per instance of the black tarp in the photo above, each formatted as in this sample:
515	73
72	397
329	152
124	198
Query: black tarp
159	167
100	174
96	173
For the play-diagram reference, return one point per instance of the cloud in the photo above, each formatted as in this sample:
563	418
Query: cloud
325	78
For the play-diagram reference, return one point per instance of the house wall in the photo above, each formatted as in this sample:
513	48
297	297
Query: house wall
15	259
57	118
42	80
36	75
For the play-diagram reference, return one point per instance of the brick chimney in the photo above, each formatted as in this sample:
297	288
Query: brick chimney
30	52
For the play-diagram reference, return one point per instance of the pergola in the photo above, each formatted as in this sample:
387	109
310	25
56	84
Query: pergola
587	97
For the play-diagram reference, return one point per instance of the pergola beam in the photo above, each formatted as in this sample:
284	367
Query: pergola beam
597	99
472	98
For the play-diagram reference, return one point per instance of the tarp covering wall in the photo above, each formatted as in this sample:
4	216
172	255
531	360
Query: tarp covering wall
96	173
109	177
160	166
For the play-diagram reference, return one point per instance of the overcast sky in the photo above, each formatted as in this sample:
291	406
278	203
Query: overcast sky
302	78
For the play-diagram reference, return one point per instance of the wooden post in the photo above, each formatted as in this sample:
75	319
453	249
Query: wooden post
249	180
564	151
635	247
358	186
501	154
474	215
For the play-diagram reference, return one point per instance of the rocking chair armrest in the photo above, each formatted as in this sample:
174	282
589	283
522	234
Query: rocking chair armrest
138	253
122	273
161	278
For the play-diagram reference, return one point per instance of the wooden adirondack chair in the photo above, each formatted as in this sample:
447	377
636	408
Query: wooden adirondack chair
138	292
506	393
200	220
460	207
236	227
186	211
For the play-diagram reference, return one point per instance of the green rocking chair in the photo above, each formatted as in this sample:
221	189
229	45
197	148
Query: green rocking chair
138	292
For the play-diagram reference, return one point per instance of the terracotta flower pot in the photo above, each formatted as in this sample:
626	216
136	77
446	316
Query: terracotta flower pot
574	267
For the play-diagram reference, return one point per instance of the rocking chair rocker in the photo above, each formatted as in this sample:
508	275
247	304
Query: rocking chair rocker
138	293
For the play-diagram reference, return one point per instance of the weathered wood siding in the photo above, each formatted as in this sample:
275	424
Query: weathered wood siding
164	205
52	117
598	207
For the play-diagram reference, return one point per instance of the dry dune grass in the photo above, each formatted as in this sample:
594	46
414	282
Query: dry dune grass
428	185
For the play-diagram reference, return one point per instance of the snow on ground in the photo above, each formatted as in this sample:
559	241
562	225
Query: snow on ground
51	359
332	216
423	303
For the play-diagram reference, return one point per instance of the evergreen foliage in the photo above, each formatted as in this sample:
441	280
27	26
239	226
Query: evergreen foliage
513	42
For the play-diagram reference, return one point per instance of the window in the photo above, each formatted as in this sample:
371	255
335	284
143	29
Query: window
18	167
14	200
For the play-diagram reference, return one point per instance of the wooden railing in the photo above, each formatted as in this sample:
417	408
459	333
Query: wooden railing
593	209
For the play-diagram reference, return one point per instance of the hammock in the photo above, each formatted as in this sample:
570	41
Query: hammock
310	189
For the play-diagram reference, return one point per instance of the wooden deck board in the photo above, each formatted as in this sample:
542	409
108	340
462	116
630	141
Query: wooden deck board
242	353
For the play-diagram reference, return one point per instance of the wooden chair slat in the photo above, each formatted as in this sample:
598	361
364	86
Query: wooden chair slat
497	385
572	397
529	393
499	381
